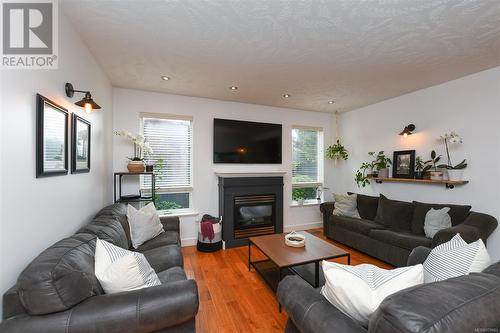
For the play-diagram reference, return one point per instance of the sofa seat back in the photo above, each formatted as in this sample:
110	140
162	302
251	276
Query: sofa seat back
60	277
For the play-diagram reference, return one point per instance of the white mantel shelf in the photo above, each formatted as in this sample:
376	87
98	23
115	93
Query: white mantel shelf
250	174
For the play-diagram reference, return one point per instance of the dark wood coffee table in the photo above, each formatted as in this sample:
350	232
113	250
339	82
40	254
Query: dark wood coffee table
284	260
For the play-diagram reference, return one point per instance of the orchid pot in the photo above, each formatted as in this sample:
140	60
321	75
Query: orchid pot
455	174
136	166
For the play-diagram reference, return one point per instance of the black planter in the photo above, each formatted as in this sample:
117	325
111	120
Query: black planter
149	168
419	175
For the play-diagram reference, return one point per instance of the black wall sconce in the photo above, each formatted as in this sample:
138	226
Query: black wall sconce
87	102
408	130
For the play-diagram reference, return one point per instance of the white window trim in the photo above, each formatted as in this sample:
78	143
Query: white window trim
185	189
321	158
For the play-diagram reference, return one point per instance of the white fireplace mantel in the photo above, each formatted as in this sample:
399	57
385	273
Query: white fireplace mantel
250	174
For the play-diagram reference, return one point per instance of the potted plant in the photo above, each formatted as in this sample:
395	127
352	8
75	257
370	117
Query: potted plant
431	165
455	172
337	151
380	164
299	195
141	148
420	168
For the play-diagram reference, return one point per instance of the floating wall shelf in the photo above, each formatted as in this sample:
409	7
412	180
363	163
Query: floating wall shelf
448	183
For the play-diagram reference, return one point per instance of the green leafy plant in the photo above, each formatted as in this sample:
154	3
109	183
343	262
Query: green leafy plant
460	166
299	193
337	151
419	164
360	176
162	204
432	163
380	160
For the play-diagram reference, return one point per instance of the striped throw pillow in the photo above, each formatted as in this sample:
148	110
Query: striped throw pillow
455	258
120	270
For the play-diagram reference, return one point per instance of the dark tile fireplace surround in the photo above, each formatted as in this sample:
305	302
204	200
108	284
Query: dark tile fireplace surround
250	206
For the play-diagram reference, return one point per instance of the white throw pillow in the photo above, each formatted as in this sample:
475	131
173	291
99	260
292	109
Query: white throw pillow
346	205
358	290
455	258
435	220
120	270
144	224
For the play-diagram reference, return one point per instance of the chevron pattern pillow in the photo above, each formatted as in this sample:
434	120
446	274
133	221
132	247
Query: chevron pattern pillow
120	270
358	290
455	258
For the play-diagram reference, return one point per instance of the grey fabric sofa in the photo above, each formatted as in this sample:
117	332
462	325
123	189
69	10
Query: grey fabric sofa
58	290
469	303
389	229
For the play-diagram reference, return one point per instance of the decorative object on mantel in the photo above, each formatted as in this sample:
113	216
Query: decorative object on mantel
86	102
294	239
435	174
408	130
51	138
141	148
455	172
404	164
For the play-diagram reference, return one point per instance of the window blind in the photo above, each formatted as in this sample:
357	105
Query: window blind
171	142
306	156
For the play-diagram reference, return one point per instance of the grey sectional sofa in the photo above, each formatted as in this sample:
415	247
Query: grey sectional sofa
58	291
389	229
469	303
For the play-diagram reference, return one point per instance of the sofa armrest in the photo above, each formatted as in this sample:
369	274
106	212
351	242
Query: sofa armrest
326	208
475	226
310	311
170	223
418	255
145	310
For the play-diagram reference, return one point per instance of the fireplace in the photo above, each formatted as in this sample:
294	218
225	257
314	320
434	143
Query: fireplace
250	206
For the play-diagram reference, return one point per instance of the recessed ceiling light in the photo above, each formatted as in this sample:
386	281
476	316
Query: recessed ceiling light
331	102
286	95
233	88
165	78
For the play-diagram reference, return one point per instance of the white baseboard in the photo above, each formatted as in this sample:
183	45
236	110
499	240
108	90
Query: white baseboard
288	228
305	226
189	241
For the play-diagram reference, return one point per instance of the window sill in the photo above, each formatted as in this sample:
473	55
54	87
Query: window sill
183	213
305	204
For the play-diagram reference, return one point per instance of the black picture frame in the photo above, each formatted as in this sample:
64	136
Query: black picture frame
403	165
75	140
51	141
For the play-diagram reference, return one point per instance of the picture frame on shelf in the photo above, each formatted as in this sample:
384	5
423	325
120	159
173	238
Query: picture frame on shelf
403	164
80	144
51	138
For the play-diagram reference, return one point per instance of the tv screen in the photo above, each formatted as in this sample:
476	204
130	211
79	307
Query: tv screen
246	142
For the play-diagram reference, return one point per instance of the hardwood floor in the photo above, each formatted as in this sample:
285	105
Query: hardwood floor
232	299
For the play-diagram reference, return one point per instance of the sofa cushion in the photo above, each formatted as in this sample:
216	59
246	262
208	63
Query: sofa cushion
458	214
60	277
172	274
345	205
493	269
405	240
119	212
107	228
361	226
164	257
461	304
394	214
165	238
367	206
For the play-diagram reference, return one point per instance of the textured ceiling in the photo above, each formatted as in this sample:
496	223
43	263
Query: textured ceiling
354	52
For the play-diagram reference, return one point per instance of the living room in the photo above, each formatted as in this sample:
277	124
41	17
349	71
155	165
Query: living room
402	78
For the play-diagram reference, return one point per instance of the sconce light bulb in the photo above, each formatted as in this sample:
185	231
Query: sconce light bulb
405	135
88	108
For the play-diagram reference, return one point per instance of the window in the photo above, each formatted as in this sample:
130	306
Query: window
170	138
307	165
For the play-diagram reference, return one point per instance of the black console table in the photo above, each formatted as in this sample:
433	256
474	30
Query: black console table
117	180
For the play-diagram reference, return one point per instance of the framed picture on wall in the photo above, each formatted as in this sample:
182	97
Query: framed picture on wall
403	164
80	145
51	138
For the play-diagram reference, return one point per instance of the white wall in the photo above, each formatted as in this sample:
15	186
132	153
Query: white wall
129	103
35	213
469	105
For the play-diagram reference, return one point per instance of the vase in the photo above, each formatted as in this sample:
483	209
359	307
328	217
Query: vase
300	201
437	175
455	175
135	166
383	173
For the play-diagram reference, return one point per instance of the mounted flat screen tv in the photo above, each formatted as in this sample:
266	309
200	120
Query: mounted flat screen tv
246	142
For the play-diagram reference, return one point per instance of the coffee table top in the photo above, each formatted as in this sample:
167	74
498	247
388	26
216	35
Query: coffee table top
283	255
